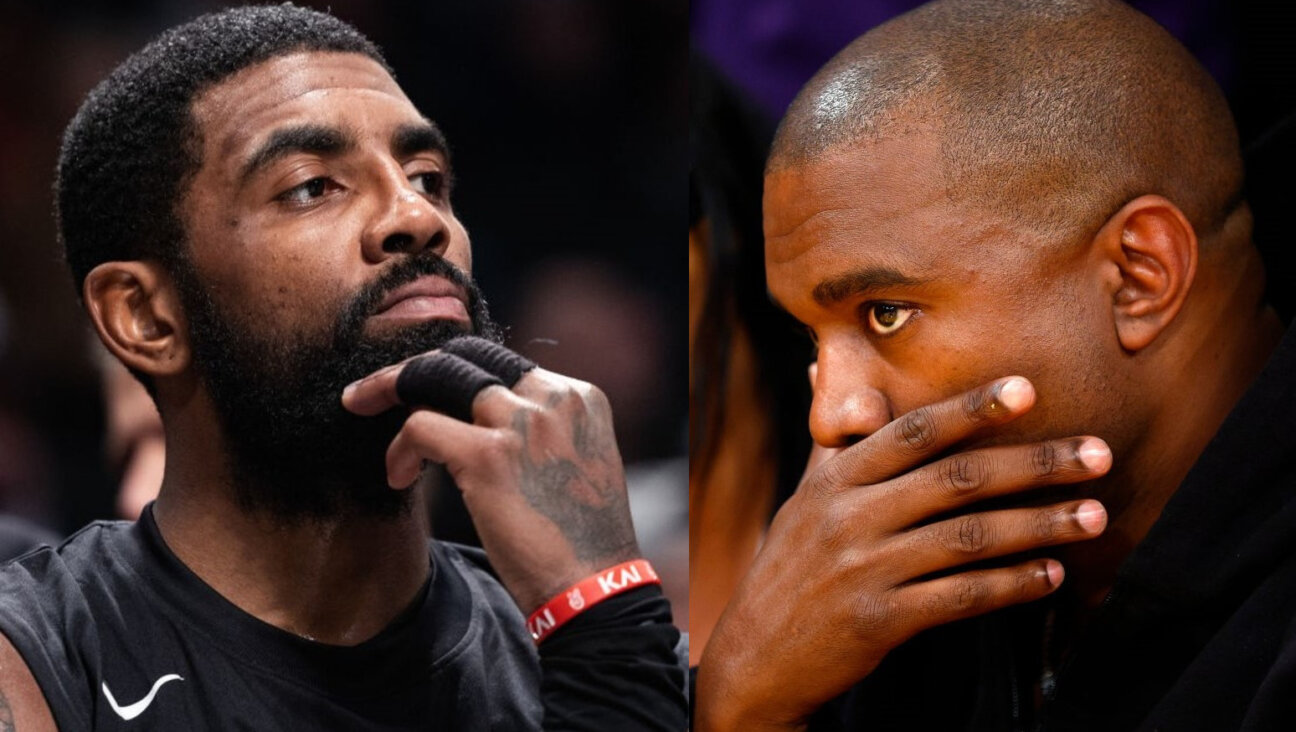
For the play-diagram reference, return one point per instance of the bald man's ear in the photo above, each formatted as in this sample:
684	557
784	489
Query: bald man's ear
1154	250
137	312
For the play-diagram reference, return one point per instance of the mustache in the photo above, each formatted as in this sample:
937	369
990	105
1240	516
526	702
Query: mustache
366	303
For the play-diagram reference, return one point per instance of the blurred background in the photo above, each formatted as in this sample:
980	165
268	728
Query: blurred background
771	47
567	124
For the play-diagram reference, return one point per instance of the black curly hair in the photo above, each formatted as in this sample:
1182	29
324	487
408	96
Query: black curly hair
132	148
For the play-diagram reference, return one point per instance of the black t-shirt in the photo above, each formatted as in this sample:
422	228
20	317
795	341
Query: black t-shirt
121	635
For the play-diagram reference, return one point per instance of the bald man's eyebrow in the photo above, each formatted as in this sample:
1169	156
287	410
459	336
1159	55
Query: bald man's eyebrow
409	140
861	282
314	139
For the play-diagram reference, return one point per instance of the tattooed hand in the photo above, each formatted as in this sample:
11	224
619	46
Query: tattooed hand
539	470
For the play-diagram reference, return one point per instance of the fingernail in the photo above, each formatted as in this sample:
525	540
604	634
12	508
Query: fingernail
1095	454
1091	516
1055	572
1014	393
349	389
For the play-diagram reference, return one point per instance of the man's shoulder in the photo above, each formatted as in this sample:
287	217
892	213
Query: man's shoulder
49	594
464	558
471	565
19	536
465	572
49	599
80	557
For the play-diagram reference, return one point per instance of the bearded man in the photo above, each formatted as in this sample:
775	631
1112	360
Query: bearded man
259	224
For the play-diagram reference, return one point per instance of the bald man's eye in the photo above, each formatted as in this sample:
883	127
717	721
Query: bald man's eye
886	318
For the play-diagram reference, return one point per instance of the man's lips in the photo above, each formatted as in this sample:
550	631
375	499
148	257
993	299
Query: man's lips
427	298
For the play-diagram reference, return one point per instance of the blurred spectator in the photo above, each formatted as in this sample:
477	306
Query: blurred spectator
21	477
748	393
135	446
581	318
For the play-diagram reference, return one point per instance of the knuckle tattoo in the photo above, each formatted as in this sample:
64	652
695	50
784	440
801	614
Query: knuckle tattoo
547	422
567	392
526	420
917	432
1044	459
553	400
595	396
504	443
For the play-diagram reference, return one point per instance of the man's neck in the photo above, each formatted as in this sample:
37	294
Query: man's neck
1199	393
338	581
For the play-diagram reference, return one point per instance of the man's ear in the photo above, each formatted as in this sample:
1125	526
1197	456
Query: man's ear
1154	249
137	312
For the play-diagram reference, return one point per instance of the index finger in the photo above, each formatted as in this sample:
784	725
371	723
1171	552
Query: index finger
918	436
375	393
818	456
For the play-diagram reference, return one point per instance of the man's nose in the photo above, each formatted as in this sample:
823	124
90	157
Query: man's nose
404	221
848	405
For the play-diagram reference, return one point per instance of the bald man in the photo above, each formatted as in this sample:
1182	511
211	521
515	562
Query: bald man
1054	485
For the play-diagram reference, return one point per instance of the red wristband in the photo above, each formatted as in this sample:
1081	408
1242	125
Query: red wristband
587	593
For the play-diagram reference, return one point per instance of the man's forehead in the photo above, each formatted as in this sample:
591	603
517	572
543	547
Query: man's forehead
883	169
882	192
879	214
235	113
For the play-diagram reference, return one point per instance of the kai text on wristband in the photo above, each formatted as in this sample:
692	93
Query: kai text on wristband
587	593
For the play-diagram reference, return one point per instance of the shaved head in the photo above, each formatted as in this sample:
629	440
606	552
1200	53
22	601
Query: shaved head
1048	189
1053	114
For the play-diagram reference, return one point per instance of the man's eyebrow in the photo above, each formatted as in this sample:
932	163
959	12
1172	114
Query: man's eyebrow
859	282
308	138
409	140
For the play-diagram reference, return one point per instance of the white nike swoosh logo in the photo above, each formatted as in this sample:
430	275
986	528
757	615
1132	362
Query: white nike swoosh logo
131	711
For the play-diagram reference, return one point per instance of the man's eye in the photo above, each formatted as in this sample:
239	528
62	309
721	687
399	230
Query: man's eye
306	192
887	318
430	184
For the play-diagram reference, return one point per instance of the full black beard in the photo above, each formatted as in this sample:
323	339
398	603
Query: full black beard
294	453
